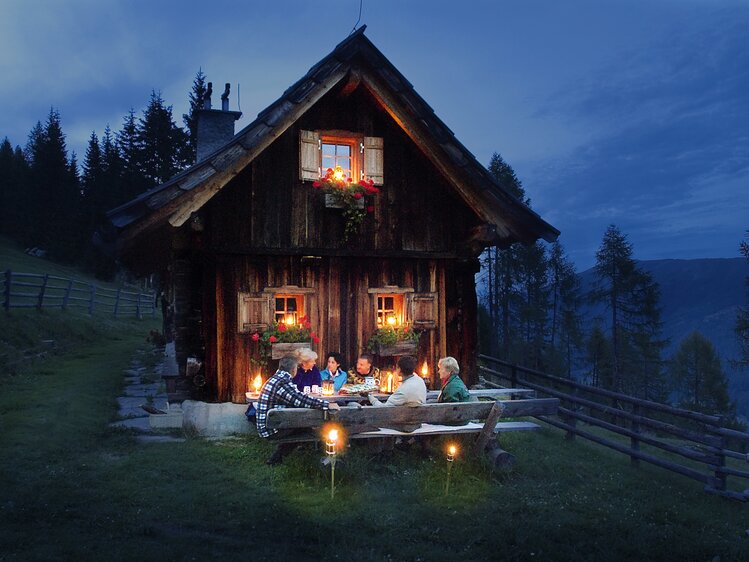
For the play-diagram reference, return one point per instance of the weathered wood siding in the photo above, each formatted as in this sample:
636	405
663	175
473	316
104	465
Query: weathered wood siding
340	309
268	207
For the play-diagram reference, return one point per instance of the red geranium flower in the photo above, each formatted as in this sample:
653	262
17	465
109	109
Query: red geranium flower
370	209
282	327
316	184
272	339
315	339
255	336
313	335
358	195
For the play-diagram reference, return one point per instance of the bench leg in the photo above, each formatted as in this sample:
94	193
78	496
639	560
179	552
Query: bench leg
487	432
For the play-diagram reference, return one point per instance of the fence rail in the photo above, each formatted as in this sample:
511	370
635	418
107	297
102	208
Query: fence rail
694	436
33	290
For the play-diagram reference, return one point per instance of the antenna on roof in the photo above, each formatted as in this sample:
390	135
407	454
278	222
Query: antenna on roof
239	105
359	18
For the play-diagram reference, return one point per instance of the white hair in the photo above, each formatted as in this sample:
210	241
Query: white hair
306	354
449	363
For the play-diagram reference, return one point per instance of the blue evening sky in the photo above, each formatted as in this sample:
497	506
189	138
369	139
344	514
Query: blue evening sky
630	112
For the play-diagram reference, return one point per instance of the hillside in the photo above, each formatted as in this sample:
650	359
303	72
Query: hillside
702	295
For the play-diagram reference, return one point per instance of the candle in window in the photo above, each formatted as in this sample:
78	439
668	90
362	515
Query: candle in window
289	320
391	320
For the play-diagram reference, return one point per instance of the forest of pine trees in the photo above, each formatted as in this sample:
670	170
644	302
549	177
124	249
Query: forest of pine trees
50	201
532	313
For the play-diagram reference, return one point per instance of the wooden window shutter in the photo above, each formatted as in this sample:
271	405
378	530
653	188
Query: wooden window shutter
309	156
374	162
421	310
254	312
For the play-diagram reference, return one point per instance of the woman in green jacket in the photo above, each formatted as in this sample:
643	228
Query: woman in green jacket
453	388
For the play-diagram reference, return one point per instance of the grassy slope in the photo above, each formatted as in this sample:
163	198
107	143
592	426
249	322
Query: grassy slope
73	488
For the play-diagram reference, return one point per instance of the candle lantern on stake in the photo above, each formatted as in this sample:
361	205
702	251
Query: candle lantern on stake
451	450
330	449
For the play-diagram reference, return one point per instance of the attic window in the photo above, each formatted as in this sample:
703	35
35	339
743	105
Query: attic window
337	151
359	156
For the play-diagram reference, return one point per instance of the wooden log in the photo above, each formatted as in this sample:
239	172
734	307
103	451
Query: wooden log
488	432
357	419
499	458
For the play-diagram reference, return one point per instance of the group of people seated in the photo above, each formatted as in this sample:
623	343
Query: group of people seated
283	389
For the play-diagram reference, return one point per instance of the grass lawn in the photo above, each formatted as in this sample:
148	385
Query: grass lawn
73	488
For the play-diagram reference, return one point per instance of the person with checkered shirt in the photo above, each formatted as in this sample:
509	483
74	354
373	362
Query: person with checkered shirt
279	390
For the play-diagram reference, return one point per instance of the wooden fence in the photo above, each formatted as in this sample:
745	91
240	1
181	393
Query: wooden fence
32	290
689	443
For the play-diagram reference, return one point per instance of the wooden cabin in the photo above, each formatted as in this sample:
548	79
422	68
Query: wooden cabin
243	238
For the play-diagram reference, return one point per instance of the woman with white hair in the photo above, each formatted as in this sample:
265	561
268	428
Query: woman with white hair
307	373
453	388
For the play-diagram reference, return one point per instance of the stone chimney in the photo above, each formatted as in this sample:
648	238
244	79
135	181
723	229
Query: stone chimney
215	127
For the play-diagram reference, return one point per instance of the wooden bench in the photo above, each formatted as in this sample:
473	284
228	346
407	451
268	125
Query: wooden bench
435	419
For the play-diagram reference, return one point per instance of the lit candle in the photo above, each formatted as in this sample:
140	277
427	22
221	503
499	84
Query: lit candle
257	383
425	370
330	449
451	450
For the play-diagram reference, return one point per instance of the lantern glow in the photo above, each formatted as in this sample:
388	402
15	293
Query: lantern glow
424	370
257	383
391	320
339	174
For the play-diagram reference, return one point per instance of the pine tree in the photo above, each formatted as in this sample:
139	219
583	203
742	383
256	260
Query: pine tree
698	377
133	182
565	320
632	298
196	97
599	358
162	145
742	317
13	192
533	305
93	184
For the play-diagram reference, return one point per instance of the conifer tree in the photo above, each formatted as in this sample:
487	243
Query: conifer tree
13	191
133	181
599	358
565	320
196	97
698	377
632	299
93	184
162	145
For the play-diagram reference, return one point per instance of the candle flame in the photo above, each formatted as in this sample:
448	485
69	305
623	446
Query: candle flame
452	449
338	173
257	383
289	320
391	320
333	435
425	370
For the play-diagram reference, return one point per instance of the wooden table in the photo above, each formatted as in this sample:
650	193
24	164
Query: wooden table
432	395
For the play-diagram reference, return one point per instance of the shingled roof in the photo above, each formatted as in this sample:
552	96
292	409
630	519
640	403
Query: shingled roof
357	60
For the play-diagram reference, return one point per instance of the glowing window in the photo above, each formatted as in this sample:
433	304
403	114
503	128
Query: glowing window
389	310
288	309
340	151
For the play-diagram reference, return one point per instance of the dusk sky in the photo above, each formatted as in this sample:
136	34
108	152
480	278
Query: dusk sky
632	112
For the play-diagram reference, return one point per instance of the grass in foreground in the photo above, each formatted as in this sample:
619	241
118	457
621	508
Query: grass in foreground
75	489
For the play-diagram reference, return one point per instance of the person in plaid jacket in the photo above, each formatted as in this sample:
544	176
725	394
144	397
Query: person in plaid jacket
279	390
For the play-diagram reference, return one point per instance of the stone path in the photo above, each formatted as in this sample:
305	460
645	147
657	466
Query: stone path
143	385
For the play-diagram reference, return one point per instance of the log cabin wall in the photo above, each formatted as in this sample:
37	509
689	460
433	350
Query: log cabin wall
340	308
267	228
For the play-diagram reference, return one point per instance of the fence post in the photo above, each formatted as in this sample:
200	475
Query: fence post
6	292
514	376
137	307
570	435
42	289
634	441
64	304
91	301
117	301
720	477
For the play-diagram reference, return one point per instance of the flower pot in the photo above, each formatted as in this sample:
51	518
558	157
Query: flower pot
400	348
333	202
278	350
